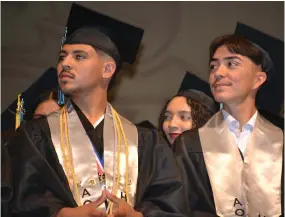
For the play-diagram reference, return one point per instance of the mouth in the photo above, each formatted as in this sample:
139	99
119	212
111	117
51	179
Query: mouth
65	75
217	85
173	135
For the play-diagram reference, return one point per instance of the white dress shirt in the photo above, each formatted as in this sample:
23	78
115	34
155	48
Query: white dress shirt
98	121
241	137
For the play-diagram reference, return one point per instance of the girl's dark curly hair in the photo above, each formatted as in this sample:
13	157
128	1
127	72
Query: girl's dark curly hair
199	112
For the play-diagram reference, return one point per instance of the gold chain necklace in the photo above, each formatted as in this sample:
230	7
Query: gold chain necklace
68	159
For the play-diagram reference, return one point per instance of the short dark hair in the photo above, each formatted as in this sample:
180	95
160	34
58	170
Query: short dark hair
118	68
239	45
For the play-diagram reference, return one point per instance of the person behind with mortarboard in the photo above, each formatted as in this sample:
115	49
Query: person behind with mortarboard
39	99
47	103
86	159
188	109
233	164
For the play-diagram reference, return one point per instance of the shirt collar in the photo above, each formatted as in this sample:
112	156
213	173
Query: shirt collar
98	121
233	124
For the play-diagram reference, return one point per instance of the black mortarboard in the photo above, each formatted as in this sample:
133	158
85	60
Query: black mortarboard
48	81
271	96
119	40
146	124
196	88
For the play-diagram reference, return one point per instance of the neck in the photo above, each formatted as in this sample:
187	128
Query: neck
92	104
242	112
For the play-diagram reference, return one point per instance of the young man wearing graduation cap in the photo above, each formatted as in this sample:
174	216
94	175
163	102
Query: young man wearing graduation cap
86	159
233	165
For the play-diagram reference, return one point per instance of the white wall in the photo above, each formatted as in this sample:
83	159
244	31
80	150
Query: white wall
176	39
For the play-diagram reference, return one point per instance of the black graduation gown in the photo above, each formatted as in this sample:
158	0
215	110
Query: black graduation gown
189	155
6	182
41	187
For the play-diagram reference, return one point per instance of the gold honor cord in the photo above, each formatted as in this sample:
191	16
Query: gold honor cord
127	155
67	155
120	132
68	160
18	110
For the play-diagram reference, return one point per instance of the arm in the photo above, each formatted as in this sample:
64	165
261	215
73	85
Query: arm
161	192
189	156
32	176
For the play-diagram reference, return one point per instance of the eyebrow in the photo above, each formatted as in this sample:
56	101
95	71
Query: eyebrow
74	52
184	112
226	58
180	112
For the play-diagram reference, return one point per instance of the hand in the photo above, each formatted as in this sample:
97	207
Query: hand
88	210
124	209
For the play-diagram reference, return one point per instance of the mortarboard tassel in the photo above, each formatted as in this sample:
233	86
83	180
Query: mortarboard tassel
20	111
60	97
60	93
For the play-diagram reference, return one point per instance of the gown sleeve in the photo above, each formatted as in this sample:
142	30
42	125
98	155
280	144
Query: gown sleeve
160	190
189	156
38	190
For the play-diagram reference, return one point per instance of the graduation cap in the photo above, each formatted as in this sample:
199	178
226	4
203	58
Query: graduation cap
270	97
199	90
146	124
117	39
47	82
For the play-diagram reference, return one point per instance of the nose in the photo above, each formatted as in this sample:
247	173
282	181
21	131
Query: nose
220	72
173	123
64	65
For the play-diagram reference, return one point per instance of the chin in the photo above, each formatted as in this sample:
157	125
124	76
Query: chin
67	90
221	97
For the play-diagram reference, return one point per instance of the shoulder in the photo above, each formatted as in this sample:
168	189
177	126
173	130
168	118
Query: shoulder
269	128
30	132
188	142
147	135
151	140
35	127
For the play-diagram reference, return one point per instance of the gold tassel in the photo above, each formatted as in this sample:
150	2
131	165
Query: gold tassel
18	110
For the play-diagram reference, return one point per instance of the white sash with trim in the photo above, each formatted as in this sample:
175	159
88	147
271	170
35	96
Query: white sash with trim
84	158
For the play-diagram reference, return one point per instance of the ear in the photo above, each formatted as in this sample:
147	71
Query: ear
260	79
109	69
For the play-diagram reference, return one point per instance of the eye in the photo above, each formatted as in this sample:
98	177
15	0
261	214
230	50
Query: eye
213	67
61	58
167	117
80	57
185	118
232	64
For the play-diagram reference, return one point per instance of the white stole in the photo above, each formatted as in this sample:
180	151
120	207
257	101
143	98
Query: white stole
244	188
84	160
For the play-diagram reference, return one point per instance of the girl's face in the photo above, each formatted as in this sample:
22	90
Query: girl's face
177	118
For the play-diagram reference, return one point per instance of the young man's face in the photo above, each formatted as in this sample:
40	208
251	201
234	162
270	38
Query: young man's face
83	68
233	77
